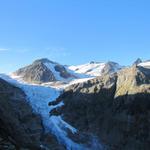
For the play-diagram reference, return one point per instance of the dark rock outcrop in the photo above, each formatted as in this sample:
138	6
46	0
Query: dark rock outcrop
20	127
5	144
63	72
138	61
115	107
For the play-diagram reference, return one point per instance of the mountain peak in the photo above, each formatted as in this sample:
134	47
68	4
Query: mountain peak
44	70
44	60
138	61
111	67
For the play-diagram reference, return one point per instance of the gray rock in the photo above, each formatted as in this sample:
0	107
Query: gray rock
38	72
110	67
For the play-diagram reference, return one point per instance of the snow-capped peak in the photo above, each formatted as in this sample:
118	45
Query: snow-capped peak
96	68
44	70
44	60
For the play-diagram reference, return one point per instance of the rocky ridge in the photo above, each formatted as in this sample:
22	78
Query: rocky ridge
115	107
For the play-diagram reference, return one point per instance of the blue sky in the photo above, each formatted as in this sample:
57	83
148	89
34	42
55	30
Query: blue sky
73	31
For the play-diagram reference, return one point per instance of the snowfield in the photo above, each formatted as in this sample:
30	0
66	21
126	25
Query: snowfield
145	64
94	69
38	97
91	69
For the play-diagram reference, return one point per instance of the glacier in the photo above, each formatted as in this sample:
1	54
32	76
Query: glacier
38	97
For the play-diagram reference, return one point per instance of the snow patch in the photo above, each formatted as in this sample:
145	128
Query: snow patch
51	67
92	69
59	128
145	64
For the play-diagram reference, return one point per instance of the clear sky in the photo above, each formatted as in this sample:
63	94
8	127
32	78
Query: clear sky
73	31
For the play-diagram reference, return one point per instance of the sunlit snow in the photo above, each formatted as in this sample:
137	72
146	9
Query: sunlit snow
145	64
92	69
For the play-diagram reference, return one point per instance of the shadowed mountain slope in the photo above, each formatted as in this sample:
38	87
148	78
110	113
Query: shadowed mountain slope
116	108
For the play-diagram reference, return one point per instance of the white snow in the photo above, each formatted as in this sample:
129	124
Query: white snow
92	69
57	75
77	74
52	68
60	128
145	64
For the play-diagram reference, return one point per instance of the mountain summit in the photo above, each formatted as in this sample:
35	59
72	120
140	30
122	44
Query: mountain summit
138	61
43	70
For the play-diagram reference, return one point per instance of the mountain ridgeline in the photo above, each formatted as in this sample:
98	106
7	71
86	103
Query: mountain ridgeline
44	70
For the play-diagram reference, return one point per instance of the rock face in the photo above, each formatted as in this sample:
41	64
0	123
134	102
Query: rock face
132	81
19	126
5	144
37	72
63	72
115	107
43	70
110	67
